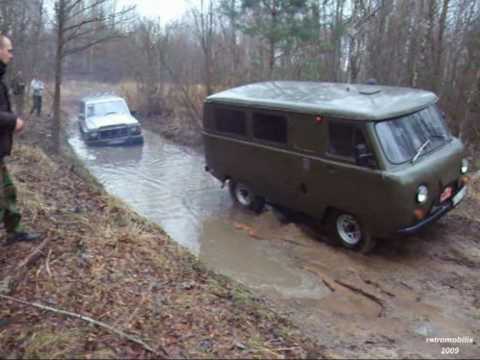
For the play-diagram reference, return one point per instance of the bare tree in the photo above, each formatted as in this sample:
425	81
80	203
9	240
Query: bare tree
438	56
204	28
80	25
428	44
24	22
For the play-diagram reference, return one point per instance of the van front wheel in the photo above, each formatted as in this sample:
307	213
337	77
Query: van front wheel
243	195
351	233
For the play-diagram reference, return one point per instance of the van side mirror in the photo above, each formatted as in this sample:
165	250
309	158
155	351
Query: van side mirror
362	156
81	117
134	113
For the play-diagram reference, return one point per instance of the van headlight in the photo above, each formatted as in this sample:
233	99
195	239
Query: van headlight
464	167
422	194
93	135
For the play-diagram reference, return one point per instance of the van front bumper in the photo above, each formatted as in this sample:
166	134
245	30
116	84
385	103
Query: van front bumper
437	214
132	139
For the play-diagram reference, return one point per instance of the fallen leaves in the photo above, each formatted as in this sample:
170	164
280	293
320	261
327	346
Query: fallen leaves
248	229
104	261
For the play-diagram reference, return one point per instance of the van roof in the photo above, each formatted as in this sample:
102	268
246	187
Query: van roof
350	101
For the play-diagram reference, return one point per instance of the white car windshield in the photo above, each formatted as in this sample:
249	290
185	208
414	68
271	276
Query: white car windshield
402	138
107	108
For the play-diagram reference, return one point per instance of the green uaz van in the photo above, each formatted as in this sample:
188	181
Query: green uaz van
372	161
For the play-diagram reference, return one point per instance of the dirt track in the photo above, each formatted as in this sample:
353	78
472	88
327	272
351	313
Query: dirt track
388	303
385	304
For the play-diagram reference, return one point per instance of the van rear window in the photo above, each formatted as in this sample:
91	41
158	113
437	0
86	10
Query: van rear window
270	127
230	121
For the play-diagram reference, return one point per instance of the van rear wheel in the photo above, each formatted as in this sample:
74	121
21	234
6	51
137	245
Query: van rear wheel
349	232
243	195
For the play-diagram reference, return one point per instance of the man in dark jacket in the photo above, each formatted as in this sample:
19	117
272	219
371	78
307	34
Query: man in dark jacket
9	124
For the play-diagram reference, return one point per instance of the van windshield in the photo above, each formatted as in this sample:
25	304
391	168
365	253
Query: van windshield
107	108
402	138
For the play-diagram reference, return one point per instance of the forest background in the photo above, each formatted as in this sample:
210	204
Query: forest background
166	69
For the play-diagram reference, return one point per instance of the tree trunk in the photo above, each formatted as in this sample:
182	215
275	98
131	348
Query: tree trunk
473	109
437	67
36	40
272	41
354	60
413	44
56	126
233	40
208	80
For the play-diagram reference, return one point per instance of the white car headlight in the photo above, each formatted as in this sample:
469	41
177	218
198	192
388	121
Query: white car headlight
135	130
422	194
464	167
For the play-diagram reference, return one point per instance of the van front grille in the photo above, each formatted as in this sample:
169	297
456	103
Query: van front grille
113	133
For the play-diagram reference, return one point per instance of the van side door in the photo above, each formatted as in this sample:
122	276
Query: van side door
309	142
270	158
352	188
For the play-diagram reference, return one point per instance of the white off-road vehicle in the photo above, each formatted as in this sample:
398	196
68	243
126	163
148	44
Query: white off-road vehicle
106	120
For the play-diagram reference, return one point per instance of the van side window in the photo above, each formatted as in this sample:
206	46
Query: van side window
358	138
344	138
270	127
231	121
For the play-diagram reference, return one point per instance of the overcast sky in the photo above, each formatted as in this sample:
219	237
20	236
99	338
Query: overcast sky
167	10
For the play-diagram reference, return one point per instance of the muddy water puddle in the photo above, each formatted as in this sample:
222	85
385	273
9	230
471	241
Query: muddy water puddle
167	184
382	305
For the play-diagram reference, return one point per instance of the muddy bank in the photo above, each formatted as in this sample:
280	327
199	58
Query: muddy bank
390	303
103	261
386	304
172	130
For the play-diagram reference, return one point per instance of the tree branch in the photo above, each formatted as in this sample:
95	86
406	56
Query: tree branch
77	35
69	52
70	7
83	10
9	283
163	353
83	23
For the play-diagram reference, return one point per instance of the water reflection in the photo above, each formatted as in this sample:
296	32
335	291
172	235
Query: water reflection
168	184
161	181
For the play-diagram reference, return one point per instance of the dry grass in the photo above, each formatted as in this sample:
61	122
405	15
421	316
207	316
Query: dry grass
474	187
39	344
106	262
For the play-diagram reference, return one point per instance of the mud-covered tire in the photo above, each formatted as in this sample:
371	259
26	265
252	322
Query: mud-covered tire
243	195
348	231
